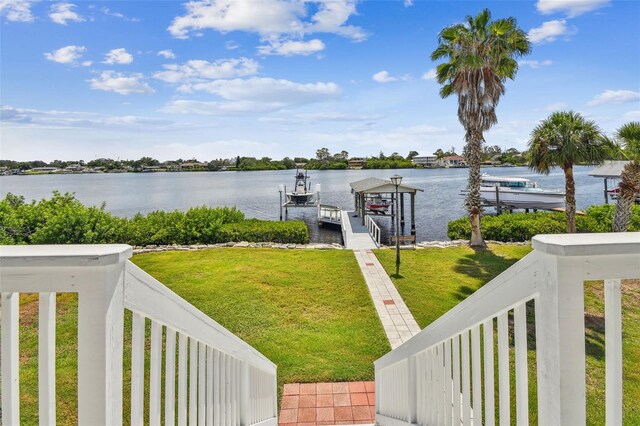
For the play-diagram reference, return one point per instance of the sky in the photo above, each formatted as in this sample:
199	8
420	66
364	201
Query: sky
219	78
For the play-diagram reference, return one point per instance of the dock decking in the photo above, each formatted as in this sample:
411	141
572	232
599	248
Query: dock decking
355	235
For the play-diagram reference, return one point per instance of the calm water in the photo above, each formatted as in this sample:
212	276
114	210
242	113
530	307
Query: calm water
256	193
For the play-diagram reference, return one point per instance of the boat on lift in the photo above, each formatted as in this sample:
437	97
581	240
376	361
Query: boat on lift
378	205
301	193
518	193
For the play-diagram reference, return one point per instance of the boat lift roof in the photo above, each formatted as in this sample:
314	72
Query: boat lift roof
380	186
610	169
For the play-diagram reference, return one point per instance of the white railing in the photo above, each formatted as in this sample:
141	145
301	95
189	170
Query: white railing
329	213
445	374
374	229
225	381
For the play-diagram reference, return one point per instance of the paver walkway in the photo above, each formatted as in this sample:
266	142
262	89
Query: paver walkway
327	404
399	325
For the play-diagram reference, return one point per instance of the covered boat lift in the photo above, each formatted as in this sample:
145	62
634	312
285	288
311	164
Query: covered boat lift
609	170
381	188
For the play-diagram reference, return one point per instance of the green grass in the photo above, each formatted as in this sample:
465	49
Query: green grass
309	311
432	281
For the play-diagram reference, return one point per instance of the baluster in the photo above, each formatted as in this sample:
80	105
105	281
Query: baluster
10	359
170	378
503	369
489	392
522	380
476	375
47	359
155	373
182	380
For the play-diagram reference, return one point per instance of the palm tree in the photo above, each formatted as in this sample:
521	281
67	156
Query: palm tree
480	56
561	140
629	136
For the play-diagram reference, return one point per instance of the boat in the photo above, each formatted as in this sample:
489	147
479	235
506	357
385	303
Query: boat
378	205
615	193
301	193
518	193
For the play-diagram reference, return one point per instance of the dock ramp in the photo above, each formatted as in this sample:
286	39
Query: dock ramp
355	235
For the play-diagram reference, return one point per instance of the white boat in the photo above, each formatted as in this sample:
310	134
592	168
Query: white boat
301	193
378	205
519	193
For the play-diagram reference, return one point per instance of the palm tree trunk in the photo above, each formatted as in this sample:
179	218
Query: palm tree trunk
629	187
472	202
570	198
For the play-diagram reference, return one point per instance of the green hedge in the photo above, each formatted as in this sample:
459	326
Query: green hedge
65	220
509	227
254	230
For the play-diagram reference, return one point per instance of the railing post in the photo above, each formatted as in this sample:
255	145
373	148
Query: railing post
412	415
245	392
560	342
100	345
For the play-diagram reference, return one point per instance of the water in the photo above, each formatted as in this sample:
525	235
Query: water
256	193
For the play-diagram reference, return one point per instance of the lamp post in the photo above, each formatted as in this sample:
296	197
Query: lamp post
396	180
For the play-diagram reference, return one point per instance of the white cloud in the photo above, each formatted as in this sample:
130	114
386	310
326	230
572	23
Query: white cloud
290	47
535	64
314	117
408	3
557	106
614	97
197	70
119	15
384	77
429	75
570	7
269	18
73	119
241	96
66	55
631	116
16	10
111	81
549	31
118	56
231	45
167	54
61	13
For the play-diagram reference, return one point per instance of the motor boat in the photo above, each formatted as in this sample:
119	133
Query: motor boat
518	193
301	193
378	205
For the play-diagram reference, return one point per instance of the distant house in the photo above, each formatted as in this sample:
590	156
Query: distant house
193	166
357	163
425	161
45	169
452	161
74	168
147	169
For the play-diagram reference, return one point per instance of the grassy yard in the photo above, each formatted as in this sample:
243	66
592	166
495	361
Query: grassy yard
309	311
432	281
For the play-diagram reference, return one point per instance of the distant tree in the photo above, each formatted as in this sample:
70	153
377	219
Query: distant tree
629	138
289	163
323	154
480	55
512	151
300	160
238	161
381	156
439	153
561	140
412	154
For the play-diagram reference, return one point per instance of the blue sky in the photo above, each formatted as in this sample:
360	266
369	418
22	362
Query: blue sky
220	78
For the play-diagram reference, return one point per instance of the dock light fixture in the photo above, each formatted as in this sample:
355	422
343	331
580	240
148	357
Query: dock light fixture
396	181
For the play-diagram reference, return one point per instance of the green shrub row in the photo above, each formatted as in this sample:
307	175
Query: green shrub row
510	227
63	219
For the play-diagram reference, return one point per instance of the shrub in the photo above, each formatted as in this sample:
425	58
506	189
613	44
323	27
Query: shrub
63	219
254	230
509	227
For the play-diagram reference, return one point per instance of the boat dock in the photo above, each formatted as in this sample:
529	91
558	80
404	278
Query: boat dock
329	215
355	235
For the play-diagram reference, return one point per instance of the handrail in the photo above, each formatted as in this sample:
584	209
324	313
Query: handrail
373	228
331	213
226	381
452	360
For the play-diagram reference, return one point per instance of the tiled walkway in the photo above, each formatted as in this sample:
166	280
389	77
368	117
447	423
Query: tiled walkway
319	404
399	325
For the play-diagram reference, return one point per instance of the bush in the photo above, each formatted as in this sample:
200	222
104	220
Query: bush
254	230
65	220
510	227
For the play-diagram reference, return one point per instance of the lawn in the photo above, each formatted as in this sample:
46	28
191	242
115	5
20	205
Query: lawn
309	311
432	281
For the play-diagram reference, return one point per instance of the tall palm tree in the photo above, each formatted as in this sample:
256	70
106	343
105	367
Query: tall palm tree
561	140
481	54
629	137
